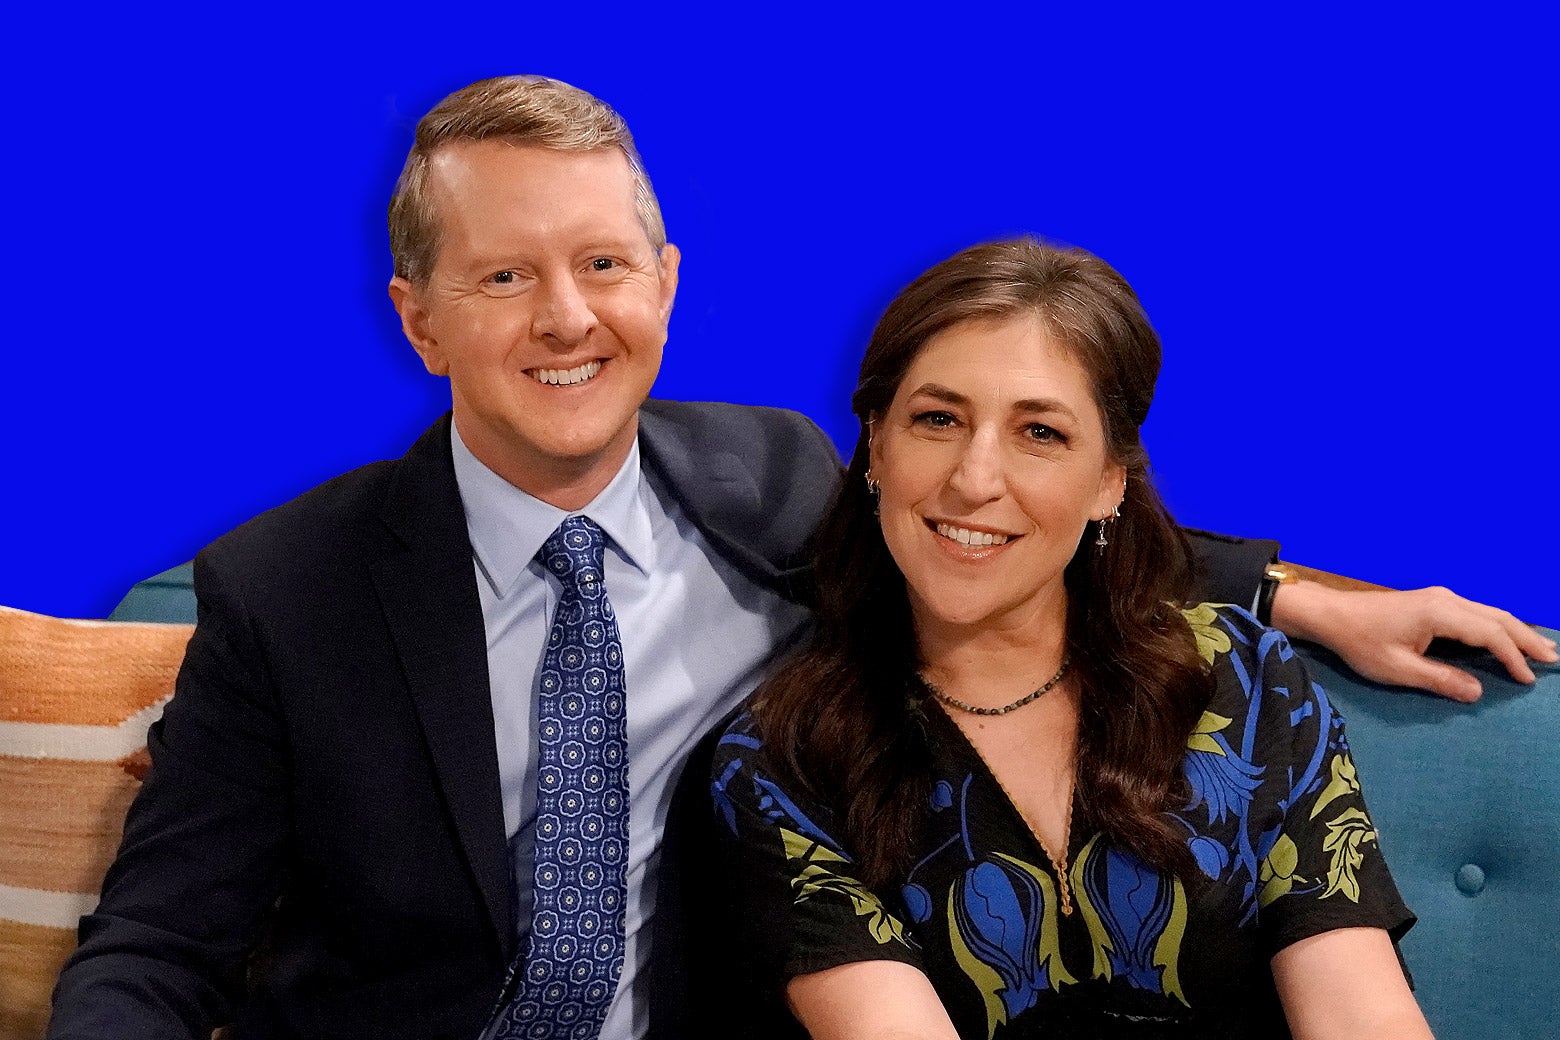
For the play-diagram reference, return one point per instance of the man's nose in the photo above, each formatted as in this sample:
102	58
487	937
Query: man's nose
562	314
979	476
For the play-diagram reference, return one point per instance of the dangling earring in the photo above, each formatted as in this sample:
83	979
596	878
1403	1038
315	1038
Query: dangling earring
874	489
1115	514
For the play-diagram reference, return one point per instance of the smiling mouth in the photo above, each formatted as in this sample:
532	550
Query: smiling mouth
565	376
965	536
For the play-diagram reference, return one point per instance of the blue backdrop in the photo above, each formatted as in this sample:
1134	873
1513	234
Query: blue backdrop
1342	227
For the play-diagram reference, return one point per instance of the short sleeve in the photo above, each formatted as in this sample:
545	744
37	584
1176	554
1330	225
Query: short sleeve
1321	862
795	901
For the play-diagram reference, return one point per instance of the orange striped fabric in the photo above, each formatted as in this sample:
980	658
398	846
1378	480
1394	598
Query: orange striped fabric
76	698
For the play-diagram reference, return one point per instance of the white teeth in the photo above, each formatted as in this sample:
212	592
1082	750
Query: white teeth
565	376
964	536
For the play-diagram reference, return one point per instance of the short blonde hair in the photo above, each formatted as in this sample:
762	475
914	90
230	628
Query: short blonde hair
531	109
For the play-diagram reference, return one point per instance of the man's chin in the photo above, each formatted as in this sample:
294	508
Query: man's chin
567	464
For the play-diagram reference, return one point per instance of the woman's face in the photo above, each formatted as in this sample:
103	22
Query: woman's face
992	460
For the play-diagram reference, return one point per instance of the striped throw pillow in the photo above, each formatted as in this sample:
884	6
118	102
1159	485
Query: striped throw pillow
76	698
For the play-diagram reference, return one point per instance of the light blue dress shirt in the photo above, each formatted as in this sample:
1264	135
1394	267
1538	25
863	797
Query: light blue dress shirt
697	637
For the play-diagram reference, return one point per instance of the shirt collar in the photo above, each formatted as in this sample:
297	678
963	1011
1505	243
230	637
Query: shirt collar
508	526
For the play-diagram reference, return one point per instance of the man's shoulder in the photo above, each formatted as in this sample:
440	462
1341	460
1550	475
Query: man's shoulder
326	511
350	516
756	481
754	432
766	455
294	542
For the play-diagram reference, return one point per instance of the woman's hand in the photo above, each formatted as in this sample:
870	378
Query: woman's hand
1346	984
1383	634
869	1000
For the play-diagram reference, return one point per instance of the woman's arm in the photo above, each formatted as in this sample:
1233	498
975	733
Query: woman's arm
869	1000
1344	985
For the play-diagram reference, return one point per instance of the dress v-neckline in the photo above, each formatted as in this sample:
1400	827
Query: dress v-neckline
1060	866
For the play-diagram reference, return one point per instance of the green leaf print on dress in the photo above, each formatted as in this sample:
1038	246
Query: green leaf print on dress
814	865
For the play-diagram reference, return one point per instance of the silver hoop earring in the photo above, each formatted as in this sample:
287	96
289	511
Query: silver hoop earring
874	489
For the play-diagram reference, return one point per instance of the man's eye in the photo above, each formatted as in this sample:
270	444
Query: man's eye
503	278
603	263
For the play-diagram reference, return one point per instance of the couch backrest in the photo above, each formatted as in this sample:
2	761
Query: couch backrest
1466	798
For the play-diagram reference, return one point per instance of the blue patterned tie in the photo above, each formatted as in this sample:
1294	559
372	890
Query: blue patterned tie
574	956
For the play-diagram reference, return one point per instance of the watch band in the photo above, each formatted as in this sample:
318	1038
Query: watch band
1275	574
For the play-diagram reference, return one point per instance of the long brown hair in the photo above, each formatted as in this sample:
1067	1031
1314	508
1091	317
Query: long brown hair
842	714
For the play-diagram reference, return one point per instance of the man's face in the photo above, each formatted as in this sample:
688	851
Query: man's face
546	308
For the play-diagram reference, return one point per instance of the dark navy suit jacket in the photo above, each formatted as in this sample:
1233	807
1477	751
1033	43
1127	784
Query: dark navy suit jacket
325	784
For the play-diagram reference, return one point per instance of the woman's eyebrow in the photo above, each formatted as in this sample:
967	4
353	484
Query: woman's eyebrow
1044	405
940	393
1029	405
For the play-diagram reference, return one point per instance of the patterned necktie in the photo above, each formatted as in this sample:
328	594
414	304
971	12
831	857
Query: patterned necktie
574	955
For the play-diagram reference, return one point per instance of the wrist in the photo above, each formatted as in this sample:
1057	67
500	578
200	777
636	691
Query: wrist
1276	575
1309	610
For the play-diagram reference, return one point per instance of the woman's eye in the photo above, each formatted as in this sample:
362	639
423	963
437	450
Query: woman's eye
1040	433
934	420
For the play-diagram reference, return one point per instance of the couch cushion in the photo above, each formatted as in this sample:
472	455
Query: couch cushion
76	698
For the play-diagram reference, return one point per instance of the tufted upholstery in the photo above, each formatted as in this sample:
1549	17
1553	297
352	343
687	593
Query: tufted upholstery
1466	798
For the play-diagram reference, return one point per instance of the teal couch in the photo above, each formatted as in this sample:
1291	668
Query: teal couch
1466	798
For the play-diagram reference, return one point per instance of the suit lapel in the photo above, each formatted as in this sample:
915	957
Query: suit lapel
428	591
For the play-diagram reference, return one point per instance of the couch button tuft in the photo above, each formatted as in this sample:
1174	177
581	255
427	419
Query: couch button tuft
1470	879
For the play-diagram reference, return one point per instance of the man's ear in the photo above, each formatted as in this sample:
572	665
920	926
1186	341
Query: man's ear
671	257
415	323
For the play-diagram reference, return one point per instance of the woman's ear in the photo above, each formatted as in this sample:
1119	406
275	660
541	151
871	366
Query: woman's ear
1113	491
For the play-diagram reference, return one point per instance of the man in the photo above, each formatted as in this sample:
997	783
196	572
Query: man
385	801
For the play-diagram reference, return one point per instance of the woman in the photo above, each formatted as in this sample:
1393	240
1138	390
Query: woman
1012	788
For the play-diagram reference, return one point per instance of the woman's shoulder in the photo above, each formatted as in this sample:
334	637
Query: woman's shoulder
745	780
1255	668
1228	635
739	748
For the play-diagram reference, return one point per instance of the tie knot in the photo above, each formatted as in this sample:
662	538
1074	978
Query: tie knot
573	553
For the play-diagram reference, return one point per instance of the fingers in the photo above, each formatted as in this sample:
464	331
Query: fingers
1439	678
1509	640
1539	648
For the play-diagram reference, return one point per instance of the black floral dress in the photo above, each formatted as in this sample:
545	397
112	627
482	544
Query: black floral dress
1277	824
